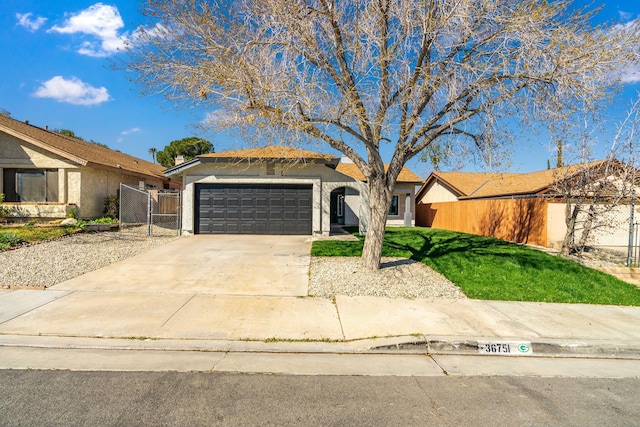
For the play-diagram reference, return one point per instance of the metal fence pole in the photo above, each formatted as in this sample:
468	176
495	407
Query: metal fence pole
120	210
149	213
631	230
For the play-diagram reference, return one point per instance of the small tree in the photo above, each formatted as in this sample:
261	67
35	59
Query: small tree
187	147
594	190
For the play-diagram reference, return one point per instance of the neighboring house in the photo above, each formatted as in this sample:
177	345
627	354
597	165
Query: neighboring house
525	208
44	174
280	190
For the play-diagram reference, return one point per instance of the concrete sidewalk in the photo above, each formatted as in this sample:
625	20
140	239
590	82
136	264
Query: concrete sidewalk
248	293
277	324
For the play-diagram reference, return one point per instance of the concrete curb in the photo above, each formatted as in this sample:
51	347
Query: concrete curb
439	345
543	347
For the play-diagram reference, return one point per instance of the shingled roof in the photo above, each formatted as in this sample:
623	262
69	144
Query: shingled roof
268	153
78	151
478	185
351	170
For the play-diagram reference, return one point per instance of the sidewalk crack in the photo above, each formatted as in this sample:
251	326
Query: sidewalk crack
176	312
335	303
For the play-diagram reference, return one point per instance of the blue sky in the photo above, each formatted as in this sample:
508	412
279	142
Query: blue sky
55	71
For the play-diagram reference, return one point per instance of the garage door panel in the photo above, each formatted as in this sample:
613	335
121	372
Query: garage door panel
253	208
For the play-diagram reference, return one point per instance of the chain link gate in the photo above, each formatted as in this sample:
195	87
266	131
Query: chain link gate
153	212
165	212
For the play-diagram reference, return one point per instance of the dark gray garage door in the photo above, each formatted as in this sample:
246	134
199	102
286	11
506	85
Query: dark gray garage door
253	209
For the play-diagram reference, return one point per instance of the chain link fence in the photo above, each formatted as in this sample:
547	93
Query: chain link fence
613	233
153	212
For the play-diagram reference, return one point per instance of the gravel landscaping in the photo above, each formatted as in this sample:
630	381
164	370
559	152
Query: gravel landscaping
51	262
397	278
48	263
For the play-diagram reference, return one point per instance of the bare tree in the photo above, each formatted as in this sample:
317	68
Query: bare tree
593	190
358	75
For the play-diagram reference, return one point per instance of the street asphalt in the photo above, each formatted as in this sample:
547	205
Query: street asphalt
198	303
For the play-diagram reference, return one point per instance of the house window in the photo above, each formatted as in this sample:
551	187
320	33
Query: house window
393	209
30	185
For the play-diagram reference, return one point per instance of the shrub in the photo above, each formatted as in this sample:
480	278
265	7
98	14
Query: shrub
4	211
111	207
9	239
73	213
104	220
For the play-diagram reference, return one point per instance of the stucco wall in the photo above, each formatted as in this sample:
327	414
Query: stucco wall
15	153
436	193
352	206
401	191
556	225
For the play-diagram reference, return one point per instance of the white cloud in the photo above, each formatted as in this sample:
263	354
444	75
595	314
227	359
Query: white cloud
130	131
25	20
72	91
142	34
630	74
100	21
625	16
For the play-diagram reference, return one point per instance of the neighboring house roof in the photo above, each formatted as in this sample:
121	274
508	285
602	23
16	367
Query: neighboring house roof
351	170
473	185
78	151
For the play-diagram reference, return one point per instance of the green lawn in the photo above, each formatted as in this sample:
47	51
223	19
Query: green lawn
492	269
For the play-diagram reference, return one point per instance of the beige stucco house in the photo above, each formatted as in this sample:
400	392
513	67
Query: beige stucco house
280	190
44	174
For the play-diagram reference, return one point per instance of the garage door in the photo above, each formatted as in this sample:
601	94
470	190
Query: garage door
253	209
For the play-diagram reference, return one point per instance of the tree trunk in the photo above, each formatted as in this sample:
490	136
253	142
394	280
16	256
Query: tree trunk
379	201
570	219
586	230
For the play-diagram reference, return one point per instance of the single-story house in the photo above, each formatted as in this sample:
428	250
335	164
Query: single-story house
280	190
521	207
44	174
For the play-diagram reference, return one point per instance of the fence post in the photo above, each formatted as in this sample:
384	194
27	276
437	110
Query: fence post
149	213
630	249
120	209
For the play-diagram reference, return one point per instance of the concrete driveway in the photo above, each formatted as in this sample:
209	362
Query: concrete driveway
208	264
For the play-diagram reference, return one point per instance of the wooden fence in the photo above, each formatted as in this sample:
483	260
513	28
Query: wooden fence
516	220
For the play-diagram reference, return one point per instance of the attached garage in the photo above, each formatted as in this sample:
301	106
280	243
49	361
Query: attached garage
253	209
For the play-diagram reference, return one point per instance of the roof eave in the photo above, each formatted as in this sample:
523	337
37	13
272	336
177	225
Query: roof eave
178	169
119	169
44	146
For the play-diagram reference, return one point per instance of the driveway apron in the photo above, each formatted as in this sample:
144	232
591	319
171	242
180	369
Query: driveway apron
208	264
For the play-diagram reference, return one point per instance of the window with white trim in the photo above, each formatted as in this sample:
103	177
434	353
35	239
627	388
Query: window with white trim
393	209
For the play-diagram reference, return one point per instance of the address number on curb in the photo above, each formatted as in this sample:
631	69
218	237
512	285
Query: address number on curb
510	348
